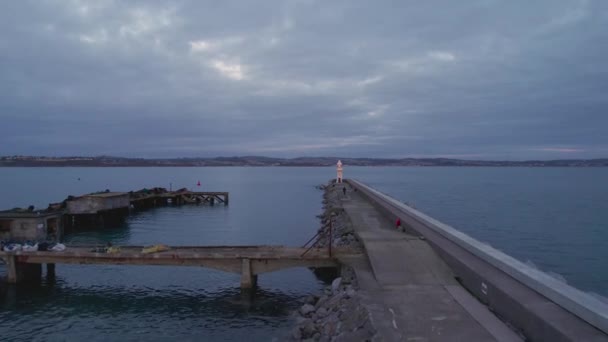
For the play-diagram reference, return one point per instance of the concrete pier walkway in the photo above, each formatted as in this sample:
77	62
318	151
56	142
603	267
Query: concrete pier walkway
411	294
249	261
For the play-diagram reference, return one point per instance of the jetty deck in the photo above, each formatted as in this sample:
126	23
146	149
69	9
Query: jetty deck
249	261
414	292
179	197
434	283
94	210
175	255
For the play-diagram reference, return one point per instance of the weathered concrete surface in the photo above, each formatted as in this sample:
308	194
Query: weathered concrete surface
33	225
410	292
246	260
525	297
95	203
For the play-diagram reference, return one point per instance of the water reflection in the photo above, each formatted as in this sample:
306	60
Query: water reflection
154	308
227	303
116	234
110	302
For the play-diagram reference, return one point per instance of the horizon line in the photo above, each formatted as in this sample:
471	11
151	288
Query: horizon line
299	157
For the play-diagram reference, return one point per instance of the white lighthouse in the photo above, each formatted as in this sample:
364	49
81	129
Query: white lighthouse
339	169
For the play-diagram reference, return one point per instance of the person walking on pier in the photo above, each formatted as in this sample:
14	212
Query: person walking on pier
398	225
344	190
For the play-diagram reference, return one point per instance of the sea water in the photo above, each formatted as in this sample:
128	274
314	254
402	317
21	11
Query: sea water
553	218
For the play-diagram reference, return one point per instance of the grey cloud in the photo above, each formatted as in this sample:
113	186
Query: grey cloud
487	79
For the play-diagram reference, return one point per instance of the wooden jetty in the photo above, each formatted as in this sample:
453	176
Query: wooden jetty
249	261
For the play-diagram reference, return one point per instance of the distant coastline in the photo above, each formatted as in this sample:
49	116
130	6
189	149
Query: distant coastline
107	161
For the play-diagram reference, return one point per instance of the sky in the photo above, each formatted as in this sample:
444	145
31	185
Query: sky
475	79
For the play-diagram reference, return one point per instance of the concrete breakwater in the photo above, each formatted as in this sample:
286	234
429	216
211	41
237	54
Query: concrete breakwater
411	285
338	313
479	292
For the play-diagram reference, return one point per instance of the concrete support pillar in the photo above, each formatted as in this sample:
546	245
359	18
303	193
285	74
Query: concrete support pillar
212	201
11	268
248	279
50	270
18	272
60	230
226	199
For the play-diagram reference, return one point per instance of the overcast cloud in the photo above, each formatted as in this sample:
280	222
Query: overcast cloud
469	79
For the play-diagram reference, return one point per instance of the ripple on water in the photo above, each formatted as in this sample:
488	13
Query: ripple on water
538	214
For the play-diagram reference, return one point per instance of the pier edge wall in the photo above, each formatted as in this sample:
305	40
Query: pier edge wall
538	305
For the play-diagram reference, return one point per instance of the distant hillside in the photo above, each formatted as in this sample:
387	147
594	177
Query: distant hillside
106	161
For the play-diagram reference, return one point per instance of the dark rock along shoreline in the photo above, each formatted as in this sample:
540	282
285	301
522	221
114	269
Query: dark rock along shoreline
337	314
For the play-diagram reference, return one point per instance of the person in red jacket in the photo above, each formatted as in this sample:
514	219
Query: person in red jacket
398	224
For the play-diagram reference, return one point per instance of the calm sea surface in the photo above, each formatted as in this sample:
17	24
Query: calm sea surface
554	218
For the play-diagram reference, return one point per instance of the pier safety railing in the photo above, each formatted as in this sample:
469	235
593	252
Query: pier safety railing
317	238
